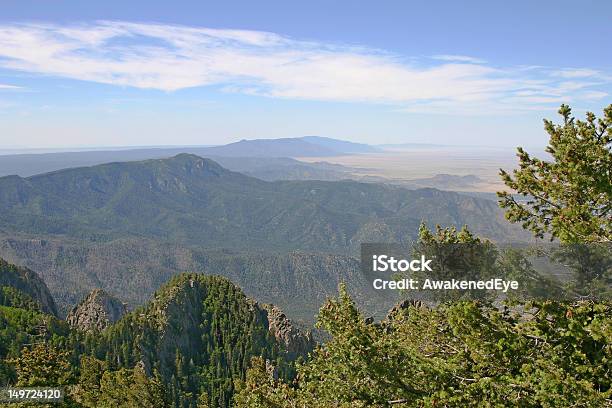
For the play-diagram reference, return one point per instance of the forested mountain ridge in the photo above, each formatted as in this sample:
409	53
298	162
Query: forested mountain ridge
199	333
27	317
188	199
185	347
27	282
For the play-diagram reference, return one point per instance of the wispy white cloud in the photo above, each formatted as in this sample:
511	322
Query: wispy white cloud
575	73
459	58
594	95
11	87
170	58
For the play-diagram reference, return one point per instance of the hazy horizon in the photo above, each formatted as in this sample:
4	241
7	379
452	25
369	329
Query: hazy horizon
10	150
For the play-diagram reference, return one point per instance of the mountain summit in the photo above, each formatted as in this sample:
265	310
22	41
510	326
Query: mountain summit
307	146
201	327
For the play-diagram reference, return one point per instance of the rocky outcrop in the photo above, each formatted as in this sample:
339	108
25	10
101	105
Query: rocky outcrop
96	312
29	283
293	340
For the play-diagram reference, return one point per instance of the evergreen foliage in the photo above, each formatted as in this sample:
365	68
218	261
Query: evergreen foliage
569	196
29	285
459	354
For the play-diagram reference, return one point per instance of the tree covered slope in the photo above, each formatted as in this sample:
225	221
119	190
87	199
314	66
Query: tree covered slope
188	199
20	285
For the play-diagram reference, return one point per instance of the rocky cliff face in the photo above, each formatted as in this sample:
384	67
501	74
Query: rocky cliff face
295	342
96	312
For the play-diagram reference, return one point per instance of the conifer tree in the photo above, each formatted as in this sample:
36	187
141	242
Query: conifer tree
568	196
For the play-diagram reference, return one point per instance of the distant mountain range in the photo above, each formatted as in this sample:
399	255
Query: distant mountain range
308	146
266	159
128	227
285	168
341	146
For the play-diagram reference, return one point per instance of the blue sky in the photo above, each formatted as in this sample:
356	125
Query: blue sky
75	73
